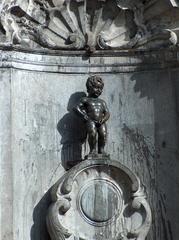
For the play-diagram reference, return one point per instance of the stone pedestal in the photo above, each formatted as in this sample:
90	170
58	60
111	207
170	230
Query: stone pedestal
99	199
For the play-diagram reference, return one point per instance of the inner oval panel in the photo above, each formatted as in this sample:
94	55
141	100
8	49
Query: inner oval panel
100	201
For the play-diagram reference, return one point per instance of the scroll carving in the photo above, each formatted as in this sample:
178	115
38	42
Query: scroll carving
85	24
99	199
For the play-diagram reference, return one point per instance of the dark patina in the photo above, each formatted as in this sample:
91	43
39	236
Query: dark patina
95	113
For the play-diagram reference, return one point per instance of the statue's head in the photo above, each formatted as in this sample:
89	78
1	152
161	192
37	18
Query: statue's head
94	86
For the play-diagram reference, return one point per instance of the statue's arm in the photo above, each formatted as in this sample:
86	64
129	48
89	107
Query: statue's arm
106	113
80	110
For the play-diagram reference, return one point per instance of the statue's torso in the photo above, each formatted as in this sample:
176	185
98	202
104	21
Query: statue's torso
94	108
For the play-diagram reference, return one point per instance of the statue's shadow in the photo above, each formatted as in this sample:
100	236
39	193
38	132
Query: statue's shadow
73	133
39	229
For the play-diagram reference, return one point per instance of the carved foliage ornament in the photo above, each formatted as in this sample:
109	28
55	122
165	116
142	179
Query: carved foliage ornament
81	24
99	199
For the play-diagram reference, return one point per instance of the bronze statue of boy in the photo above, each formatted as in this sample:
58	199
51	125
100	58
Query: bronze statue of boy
95	113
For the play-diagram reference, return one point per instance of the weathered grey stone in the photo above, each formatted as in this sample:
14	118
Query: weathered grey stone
6	169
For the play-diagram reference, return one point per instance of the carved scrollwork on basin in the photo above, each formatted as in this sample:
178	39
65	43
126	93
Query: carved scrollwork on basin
99	199
85	24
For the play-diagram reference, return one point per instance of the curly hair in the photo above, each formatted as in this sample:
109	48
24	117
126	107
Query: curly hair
93	81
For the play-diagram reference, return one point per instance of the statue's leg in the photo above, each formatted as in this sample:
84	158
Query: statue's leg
92	131
102	137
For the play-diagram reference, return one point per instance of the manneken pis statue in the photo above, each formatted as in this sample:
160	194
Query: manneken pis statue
95	113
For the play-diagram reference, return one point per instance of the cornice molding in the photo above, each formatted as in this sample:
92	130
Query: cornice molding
99	62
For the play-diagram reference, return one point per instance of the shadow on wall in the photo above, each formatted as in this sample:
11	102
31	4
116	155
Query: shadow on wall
39	229
141	147
158	87
73	133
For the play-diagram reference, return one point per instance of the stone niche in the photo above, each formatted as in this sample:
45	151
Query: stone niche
40	134
44	64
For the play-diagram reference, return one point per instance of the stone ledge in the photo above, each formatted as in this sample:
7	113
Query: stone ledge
79	62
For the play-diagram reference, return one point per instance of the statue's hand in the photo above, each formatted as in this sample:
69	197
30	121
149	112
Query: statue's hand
86	118
101	121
